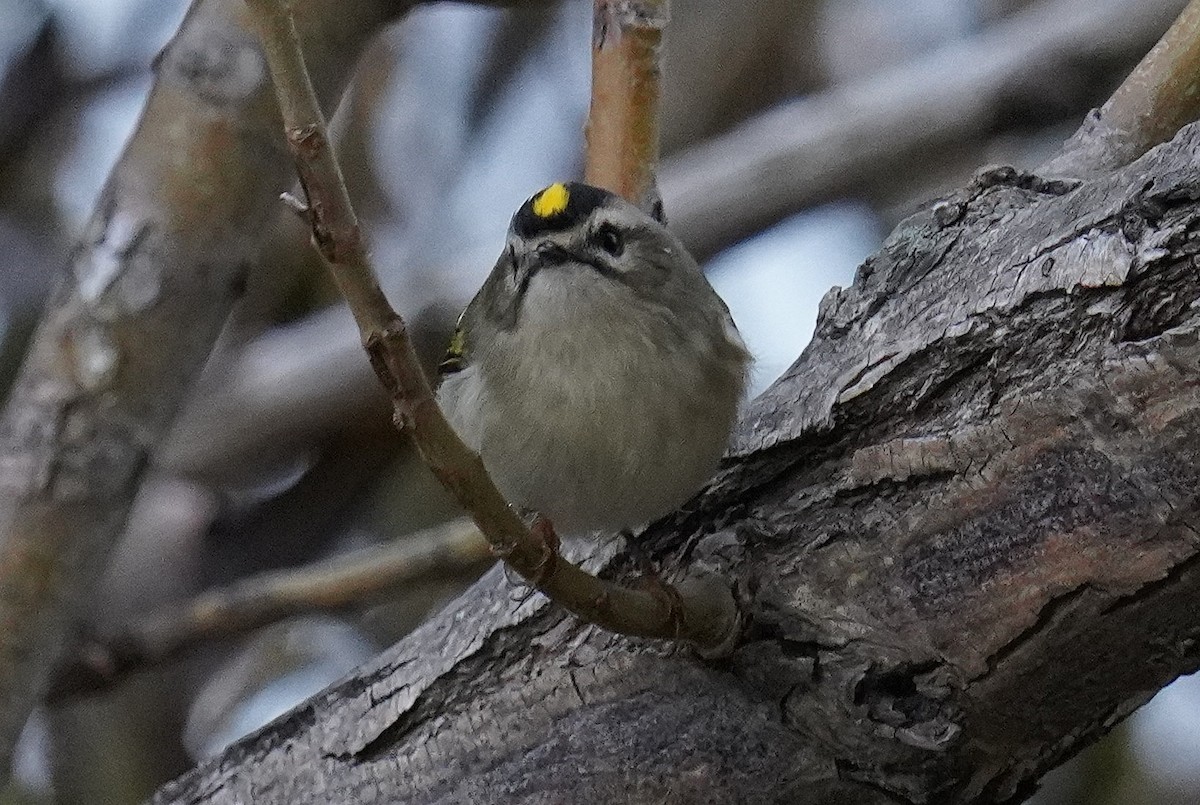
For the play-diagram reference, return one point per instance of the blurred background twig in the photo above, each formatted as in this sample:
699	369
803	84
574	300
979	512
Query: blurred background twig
349	581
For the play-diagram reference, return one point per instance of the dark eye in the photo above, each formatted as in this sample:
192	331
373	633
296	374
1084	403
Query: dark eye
609	238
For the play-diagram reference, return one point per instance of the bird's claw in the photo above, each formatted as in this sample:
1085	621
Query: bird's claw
543	529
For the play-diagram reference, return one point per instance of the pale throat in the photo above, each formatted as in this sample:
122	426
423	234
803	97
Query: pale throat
579	323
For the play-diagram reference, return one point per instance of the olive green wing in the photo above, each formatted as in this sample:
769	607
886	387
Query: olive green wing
458	351
483	306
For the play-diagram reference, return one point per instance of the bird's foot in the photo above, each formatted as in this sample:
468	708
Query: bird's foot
543	529
652	581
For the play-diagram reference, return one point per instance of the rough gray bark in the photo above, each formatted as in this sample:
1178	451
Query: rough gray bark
964	523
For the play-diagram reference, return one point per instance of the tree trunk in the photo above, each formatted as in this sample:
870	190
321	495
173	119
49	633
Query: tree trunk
962	523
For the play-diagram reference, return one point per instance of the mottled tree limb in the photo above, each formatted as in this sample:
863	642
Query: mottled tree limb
968	512
351	581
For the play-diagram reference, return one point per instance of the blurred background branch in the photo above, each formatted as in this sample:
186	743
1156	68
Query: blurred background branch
901	120
348	581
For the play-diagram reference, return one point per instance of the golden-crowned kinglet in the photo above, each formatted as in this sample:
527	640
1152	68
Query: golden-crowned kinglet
596	372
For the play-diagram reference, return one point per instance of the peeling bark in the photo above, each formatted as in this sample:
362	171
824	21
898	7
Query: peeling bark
964	521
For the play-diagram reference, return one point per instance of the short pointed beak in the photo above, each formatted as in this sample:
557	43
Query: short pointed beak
550	253
530	262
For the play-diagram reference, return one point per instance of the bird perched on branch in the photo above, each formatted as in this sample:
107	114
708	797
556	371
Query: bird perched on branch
596	372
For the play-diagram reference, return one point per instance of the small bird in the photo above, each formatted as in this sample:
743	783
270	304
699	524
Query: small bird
596	372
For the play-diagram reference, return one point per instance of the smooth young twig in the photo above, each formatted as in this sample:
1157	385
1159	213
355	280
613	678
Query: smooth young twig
622	127
1162	94
703	612
1158	98
346	582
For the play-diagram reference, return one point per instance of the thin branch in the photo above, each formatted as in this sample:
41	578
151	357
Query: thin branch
354	580
1163	93
702	611
622	127
1159	97
350	581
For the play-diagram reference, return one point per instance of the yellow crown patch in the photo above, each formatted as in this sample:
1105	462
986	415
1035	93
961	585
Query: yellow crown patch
551	201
